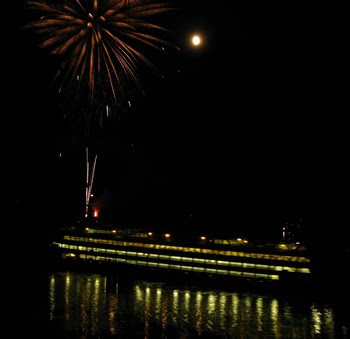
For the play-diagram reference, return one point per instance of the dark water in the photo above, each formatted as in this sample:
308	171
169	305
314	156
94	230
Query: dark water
86	305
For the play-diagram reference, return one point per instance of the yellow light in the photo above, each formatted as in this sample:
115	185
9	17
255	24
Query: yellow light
150	233
167	235
114	231
203	238
86	228
196	40
239	239
245	241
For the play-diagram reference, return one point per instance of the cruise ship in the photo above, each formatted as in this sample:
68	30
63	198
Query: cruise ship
232	258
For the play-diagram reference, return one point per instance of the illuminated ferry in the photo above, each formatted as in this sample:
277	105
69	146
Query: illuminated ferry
229	257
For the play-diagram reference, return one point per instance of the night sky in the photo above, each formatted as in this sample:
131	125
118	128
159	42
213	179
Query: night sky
241	134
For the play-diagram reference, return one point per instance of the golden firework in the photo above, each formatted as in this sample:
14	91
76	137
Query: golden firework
99	40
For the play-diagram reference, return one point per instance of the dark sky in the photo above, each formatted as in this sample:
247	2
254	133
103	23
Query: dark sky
240	135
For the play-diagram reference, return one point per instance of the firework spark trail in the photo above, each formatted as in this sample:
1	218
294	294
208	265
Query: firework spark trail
131	2
99	41
92	177
87	183
89	180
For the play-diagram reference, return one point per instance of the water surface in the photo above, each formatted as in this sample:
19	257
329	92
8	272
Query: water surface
86	305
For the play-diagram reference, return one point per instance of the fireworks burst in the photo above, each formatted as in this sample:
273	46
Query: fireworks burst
99	42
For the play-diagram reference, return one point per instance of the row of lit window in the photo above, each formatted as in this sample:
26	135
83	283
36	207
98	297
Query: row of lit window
186	259
190	249
178	267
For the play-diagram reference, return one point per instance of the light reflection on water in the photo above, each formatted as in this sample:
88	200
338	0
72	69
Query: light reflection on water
86	305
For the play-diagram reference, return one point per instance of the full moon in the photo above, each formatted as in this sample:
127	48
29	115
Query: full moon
196	40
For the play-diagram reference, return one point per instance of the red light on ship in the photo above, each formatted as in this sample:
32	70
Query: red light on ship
95	213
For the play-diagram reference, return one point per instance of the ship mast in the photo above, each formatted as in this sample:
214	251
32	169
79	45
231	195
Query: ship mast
90	174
